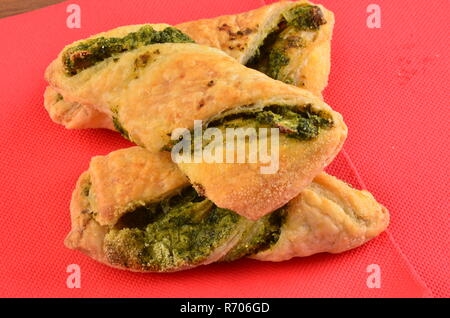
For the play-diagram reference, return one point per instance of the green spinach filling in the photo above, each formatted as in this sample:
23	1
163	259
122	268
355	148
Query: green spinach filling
302	124
305	17
272	56
260	236
184	230
117	125
299	123
93	51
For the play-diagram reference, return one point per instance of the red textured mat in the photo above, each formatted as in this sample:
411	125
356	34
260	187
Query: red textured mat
389	83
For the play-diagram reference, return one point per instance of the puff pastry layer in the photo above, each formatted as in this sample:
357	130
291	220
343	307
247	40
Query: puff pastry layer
327	216
180	83
307	61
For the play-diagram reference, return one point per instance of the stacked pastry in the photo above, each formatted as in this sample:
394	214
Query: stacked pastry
139	210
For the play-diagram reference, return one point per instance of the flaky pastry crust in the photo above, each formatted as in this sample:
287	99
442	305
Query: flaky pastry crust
237	35
240	35
327	216
187	82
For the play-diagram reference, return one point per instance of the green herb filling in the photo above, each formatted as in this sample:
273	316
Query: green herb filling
302	124
305	17
117	125
90	52
184	230
273	54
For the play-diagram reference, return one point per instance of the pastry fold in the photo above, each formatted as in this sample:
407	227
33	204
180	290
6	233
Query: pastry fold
134	210
289	41
151	91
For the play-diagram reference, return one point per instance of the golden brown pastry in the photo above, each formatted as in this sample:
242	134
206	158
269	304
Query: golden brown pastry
152	90
75	113
134	210
289	41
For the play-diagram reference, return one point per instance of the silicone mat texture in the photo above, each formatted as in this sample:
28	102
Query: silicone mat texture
390	83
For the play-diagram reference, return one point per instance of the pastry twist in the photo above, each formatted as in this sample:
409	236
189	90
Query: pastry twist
289	41
135	210
153	89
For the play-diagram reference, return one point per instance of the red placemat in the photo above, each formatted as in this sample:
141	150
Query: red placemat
388	83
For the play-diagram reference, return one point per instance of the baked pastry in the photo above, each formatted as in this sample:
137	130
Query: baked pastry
289	41
152	90
135	210
74	113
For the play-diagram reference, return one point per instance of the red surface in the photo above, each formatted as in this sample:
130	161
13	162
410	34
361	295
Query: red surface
390	84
